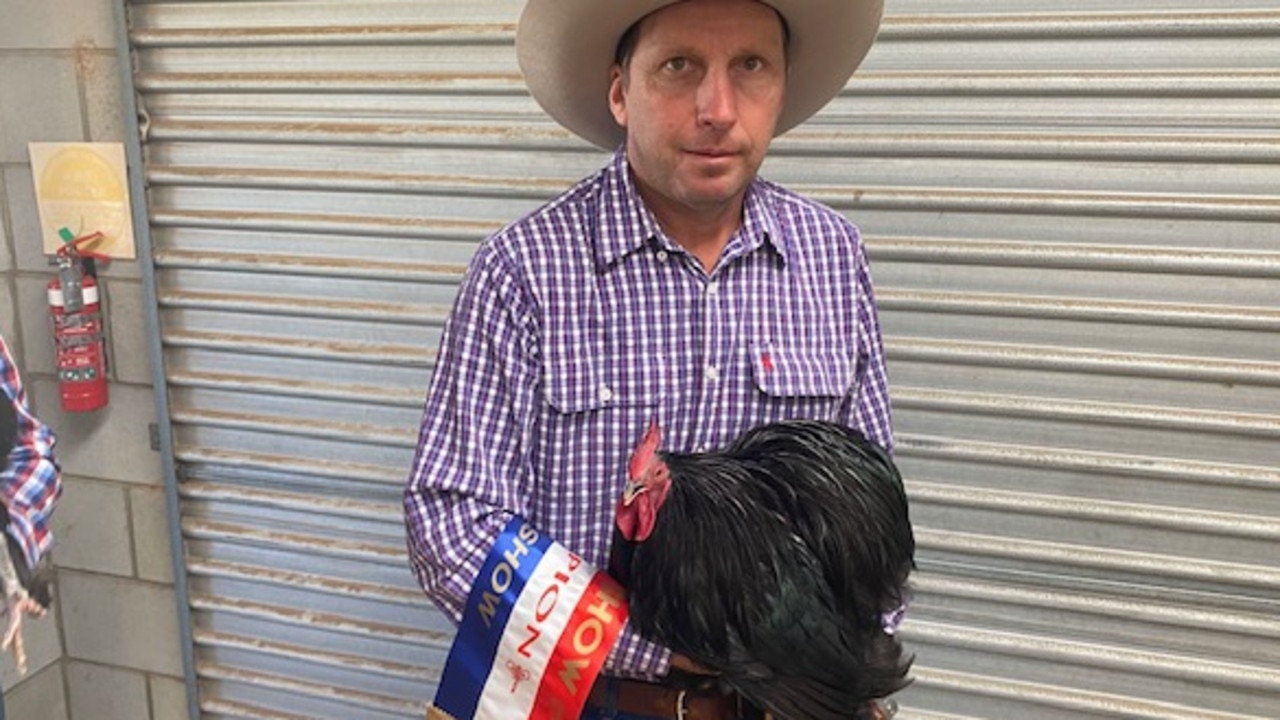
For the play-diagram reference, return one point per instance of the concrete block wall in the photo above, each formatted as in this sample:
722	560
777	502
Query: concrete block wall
110	650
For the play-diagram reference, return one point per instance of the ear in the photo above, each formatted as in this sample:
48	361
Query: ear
618	95
645	452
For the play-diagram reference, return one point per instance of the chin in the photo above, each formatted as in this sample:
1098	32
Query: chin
711	190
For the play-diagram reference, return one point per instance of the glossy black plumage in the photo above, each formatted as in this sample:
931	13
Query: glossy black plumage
772	563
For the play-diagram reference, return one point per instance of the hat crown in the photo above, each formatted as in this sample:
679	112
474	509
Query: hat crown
566	47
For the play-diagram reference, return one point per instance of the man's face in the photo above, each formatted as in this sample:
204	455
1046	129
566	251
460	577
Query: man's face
700	98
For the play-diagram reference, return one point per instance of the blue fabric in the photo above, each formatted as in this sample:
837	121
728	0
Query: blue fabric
479	637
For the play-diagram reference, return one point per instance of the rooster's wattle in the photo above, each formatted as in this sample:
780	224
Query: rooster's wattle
773	563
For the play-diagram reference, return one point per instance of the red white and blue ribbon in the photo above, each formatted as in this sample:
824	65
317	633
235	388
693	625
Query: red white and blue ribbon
536	630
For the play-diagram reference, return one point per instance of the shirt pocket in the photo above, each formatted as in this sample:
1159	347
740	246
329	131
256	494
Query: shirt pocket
802	372
596	409
583	381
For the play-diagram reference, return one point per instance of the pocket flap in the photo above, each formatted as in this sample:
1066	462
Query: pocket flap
580	384
802	372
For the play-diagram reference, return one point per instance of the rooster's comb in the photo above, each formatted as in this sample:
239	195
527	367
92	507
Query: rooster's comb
645	451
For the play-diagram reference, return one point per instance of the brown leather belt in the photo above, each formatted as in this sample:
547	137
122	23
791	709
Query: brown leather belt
642	698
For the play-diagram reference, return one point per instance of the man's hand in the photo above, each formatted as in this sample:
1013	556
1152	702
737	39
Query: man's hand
681	662
17	606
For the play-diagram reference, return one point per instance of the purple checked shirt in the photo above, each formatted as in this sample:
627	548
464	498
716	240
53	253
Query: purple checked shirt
580	323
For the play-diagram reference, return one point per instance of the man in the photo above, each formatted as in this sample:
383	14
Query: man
673	285
30	485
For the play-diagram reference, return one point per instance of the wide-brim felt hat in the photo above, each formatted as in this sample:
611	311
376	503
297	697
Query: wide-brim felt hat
566	47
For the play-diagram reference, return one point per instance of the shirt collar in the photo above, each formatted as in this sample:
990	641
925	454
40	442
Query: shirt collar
626	225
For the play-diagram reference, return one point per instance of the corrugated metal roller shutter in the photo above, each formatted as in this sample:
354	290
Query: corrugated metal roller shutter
1074	226
319	173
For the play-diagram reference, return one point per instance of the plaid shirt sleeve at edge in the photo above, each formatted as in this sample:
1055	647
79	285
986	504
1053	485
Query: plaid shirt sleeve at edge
31	483
868	409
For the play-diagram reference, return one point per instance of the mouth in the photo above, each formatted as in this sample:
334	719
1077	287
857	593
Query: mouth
712	153
632	491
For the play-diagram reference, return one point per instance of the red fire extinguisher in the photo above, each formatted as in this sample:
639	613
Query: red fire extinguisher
78	339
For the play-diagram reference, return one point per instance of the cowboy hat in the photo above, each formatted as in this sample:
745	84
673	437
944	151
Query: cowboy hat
566	47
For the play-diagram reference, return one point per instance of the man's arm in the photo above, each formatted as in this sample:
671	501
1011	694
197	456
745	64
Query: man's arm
31	483
867	408
471	471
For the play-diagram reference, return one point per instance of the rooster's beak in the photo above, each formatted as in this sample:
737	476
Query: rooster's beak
632	491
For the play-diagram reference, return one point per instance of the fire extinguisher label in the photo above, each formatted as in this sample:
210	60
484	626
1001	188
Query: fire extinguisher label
74	305
80	347
69	281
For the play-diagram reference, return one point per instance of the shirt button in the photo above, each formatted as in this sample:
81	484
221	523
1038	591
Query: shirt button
662	256
700	449
713	373
712	289
605	393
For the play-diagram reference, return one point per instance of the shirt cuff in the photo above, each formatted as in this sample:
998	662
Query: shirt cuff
637	658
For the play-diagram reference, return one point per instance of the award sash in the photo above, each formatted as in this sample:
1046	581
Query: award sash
536	630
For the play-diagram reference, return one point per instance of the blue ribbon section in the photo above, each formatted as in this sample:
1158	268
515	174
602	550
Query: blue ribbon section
515	555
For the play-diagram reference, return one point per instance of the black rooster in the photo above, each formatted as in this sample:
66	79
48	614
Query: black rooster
774	564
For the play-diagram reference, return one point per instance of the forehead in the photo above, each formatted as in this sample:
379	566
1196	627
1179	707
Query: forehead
705	20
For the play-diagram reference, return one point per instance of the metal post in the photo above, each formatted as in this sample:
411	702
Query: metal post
142	234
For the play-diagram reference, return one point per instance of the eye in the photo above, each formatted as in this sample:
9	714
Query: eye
753	63
676	64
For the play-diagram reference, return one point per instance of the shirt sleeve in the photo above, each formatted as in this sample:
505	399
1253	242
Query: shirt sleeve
470	473
868	408
31	483
635	657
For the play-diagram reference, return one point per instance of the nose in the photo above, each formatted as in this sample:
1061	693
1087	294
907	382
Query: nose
716	99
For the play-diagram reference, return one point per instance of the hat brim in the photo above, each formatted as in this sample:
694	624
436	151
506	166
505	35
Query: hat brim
566	47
